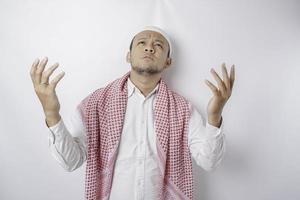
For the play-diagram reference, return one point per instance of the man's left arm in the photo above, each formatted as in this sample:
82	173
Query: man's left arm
207	145
206	142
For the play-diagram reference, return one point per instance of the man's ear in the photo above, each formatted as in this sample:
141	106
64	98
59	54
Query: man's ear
128	57
168	62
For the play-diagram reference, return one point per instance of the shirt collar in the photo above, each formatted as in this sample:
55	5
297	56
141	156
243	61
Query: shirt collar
132	88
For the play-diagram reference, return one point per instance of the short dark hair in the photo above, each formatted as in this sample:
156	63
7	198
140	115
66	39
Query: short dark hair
130	47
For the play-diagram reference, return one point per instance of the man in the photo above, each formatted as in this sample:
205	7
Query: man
137	135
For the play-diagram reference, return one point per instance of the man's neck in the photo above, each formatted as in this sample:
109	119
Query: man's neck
144	83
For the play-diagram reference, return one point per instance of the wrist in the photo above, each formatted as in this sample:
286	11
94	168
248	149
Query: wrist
52	119
215	120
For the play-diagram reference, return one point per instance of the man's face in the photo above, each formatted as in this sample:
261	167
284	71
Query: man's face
149	53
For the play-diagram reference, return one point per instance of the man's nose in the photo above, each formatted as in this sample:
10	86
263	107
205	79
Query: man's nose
149	48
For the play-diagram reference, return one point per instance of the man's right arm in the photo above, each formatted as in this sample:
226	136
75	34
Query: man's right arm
68	149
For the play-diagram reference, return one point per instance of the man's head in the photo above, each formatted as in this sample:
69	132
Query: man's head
149	52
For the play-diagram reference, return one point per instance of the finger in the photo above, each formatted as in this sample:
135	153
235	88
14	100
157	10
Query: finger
40	69
57	79
48	72
232	76
219	81
225	77
33	69
213	88
33	66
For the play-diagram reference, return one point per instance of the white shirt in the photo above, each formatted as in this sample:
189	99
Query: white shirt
136	170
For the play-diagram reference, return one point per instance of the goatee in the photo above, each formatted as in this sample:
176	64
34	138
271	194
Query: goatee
146	71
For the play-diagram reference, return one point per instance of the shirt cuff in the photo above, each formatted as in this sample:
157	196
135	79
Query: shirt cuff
57	131
213	131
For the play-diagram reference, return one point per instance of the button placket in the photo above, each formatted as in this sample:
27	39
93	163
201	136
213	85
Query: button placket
144	128
141	162
143	131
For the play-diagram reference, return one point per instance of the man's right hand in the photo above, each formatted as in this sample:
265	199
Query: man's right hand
45	90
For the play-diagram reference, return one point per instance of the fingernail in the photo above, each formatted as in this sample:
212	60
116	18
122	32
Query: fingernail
36	61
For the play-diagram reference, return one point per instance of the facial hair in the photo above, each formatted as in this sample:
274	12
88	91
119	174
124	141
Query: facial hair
148	71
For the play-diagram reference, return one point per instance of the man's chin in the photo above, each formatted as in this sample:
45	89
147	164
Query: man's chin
145	70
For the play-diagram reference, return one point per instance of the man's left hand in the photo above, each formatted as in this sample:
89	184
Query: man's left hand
221	94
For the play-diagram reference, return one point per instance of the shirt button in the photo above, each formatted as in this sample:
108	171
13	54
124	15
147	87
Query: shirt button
140	182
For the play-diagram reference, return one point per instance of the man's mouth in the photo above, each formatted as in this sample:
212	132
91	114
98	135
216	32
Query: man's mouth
148	57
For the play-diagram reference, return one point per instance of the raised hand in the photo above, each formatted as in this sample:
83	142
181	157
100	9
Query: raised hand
45	90
220	95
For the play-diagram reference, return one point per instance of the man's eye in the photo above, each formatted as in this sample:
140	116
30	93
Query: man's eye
141	42
160	46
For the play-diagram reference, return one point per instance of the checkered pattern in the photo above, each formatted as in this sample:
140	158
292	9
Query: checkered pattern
103	113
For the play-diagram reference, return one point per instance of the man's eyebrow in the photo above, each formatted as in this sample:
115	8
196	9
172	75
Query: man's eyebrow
155	40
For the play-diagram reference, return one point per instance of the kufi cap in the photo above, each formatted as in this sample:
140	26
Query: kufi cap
159	30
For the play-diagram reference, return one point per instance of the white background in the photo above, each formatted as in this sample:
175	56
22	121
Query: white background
90	40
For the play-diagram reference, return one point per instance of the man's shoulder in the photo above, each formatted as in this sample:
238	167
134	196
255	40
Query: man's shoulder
179	97
110	85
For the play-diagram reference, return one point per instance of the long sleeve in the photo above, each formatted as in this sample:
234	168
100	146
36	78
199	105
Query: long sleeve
206	143
68	147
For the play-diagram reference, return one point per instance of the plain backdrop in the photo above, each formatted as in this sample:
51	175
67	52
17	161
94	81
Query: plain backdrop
90	40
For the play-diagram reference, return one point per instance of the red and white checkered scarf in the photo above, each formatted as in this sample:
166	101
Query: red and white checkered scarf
103	112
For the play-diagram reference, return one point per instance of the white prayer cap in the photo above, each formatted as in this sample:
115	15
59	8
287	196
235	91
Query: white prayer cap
159	30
